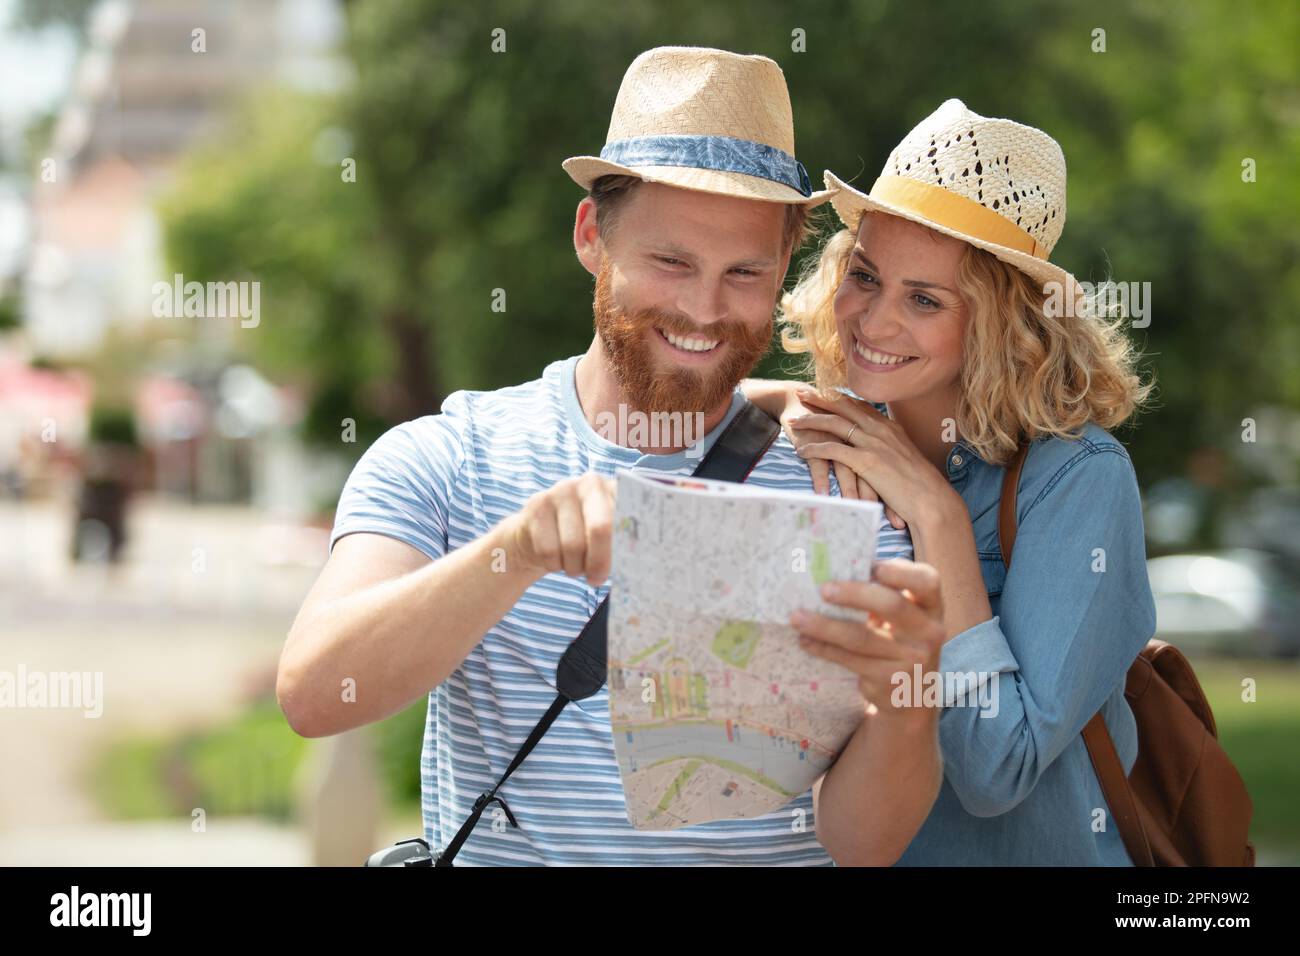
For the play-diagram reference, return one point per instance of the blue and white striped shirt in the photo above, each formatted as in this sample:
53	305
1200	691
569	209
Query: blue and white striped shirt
440	482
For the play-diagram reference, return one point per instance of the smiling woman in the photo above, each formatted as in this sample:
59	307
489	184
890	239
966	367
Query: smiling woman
1018	365
931	309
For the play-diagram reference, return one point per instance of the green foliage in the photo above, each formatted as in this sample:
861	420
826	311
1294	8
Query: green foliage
245	766
378	293
1260	737
112	425
401	738
9	313
275	212
38	14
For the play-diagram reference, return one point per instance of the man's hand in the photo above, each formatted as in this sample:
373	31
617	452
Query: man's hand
565	528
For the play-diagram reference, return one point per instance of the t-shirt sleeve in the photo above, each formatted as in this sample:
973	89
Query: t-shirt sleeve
402	486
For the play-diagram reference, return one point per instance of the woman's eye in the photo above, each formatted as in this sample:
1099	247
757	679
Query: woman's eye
669	260
925	301
863	277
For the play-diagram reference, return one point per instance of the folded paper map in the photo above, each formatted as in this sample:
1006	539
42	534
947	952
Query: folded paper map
716	711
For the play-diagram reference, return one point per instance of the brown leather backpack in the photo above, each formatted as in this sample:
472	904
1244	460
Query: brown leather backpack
1184	804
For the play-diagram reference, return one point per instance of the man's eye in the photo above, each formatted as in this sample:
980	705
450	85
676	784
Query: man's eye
669	260
745	272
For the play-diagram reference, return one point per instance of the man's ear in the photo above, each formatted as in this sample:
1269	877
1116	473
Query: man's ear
586	237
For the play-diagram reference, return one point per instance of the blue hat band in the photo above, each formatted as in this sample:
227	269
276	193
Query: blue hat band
724	154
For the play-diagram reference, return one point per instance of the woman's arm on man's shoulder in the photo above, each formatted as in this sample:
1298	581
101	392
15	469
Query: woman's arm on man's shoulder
771	395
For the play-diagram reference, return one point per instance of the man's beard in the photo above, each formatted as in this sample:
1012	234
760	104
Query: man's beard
680	389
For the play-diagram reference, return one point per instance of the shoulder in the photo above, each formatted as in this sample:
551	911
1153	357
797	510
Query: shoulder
465	413
512	399
1095	463
516	412
782	468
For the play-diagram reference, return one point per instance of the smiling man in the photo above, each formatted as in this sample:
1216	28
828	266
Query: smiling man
470	547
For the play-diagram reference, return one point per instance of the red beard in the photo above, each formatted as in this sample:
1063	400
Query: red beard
631	355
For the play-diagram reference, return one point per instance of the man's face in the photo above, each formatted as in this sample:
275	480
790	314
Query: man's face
685	293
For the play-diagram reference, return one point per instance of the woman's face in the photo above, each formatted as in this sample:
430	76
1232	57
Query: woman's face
900	318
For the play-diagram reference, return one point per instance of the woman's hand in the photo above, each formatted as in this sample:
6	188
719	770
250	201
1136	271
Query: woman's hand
779	401
904	627
851	485
875	449
820	468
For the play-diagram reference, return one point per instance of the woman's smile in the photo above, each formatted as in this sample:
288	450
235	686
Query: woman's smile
878	360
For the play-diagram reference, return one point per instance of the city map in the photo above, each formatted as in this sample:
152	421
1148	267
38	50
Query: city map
716	711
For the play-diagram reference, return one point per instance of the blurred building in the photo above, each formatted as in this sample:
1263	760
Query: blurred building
155	77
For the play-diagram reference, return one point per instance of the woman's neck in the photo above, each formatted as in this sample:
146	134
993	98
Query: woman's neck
930	422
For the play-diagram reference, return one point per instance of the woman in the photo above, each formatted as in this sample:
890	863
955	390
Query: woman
937	305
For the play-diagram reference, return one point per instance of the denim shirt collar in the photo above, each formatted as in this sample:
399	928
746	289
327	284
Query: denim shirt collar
960	457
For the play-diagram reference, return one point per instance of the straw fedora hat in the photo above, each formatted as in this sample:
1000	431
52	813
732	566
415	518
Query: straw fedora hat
707	120
993	183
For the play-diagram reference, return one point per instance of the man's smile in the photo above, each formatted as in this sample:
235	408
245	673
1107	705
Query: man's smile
690	349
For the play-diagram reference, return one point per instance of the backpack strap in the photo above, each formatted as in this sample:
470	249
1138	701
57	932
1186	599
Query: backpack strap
1007	503
1114	782
583	668
1118	790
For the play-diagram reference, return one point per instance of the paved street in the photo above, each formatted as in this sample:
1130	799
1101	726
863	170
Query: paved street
183	632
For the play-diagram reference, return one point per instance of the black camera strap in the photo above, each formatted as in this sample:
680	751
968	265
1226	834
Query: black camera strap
583	668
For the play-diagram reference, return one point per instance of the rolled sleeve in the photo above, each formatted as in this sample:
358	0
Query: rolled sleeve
981	650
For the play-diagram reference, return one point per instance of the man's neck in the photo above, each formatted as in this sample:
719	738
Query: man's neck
603	402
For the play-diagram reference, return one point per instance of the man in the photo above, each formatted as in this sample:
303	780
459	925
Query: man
471	547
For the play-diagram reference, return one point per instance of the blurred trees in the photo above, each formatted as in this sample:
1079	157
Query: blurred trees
37	14
267	204
378	294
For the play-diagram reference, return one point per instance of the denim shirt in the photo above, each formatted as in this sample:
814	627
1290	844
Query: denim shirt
1069	617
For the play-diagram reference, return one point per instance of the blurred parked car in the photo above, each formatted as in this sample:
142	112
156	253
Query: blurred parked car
1239	601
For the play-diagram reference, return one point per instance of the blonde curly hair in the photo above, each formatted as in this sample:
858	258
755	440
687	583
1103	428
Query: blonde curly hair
1025	372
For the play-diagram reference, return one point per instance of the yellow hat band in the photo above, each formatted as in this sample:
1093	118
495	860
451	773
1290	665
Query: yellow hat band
954	211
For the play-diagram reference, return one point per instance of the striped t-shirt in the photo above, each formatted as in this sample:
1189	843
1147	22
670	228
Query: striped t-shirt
441	481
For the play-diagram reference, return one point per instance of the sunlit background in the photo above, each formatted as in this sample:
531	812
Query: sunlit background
382	170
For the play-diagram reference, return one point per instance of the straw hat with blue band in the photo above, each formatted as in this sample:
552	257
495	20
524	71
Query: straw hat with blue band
994	183
707	120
